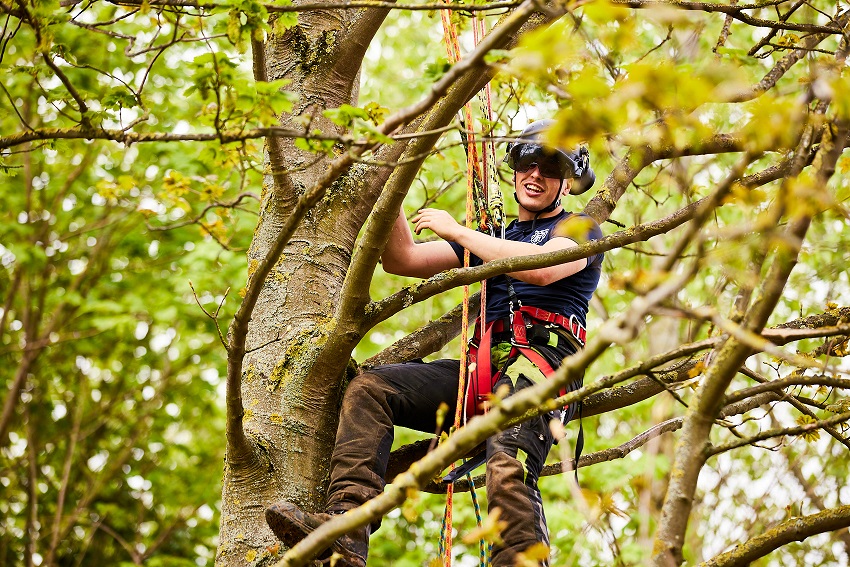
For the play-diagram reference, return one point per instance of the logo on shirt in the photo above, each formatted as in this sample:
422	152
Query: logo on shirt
539	236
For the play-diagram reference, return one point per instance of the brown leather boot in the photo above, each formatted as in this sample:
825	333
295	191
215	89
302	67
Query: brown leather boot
291	524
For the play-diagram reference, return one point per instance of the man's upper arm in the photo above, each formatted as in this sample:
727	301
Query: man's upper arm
425	259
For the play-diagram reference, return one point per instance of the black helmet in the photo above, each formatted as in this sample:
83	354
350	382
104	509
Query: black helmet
571	165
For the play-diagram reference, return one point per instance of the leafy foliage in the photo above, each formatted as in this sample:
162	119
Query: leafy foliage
111	254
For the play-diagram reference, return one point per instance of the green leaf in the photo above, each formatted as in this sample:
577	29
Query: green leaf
119	98
284	20
345	115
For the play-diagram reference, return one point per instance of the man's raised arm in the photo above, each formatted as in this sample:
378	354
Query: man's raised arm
489	248
404	257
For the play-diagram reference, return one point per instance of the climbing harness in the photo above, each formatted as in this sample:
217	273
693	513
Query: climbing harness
525	330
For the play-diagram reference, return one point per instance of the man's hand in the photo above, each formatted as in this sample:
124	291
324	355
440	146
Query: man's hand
439	222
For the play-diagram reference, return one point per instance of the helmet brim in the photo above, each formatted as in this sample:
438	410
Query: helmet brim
524	152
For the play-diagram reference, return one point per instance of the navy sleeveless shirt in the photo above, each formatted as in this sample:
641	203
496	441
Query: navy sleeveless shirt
567	296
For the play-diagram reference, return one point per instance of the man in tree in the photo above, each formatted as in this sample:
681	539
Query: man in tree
534	318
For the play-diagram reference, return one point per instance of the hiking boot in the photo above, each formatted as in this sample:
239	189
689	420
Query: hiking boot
291	524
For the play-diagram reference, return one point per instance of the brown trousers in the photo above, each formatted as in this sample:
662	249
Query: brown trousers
409	395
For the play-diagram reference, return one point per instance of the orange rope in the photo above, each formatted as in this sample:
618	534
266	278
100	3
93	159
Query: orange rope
473	172
453	54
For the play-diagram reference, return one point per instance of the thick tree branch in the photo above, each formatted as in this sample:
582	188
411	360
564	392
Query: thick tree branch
794	529
128	137
427	339
310	6
438	110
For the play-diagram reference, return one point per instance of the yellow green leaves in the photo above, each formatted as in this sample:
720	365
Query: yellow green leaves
410	507
640	281
841	406
246	21
442	411
376	112
111	190
315	143
210	72
745	195
118	98
839	87
811	434
184	193
271	98
771	121
636	78
606	12
576	228
282	21
349	116
490	530
175	184
841	347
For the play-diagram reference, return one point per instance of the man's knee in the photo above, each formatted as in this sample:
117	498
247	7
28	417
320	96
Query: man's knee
528	442
364	387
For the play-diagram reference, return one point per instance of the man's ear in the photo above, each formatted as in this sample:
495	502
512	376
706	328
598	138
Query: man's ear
566	185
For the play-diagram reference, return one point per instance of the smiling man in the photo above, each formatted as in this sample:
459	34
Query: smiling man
534	318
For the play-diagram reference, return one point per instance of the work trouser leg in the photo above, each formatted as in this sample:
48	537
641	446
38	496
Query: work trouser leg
515	458
406	394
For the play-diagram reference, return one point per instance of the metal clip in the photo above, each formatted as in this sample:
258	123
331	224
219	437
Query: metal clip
575	326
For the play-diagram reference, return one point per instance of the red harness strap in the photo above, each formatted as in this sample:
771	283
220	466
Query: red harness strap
482	379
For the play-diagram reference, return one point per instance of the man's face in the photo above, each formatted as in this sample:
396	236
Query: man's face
534	190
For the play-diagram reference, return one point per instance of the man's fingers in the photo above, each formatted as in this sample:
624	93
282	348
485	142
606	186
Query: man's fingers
425	218
419	224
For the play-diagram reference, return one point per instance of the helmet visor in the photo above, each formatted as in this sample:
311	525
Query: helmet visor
550	163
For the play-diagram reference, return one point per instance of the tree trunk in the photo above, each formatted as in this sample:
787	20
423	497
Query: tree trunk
290	418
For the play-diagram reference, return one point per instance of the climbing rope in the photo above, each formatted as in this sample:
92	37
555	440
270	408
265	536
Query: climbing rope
490	218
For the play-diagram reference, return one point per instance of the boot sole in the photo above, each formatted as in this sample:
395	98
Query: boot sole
284	520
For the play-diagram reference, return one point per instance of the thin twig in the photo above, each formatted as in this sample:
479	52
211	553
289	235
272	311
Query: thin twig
213	316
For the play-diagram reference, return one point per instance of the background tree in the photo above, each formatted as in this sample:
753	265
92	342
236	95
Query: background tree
717	130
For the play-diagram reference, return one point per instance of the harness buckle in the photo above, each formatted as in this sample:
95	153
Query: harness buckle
513	307
576	327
